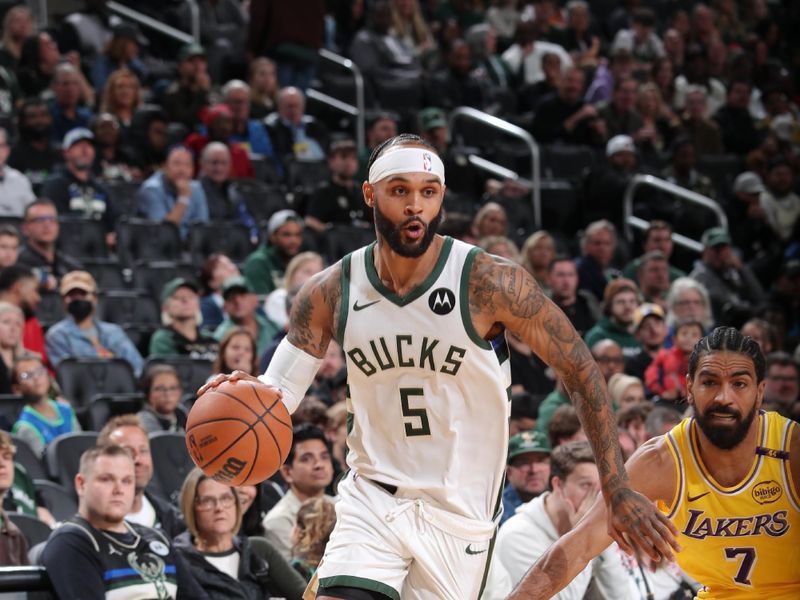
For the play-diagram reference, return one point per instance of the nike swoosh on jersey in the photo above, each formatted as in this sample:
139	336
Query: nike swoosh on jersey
356	307
693	498
471	551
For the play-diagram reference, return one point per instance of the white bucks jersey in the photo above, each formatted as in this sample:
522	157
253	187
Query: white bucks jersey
427	397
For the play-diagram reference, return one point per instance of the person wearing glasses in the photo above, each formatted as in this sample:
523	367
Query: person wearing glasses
43	417
163	391
41	230
223	563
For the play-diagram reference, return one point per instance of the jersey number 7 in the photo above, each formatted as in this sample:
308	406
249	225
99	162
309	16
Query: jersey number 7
414	427
748	557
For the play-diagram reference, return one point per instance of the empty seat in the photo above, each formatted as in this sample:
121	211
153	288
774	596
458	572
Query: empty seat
172	462
26	457
229	238
566	162
560	207
403	95
140	334
10	407
123	196
261	199
143	240
107	272
63	456
34	530
152	276
82	379
57	499
722	169
82	238
50	309
343	239
306	175
128	306
193	372
104	406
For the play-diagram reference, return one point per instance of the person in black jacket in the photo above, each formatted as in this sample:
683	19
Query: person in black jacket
148	508
223	563
294	134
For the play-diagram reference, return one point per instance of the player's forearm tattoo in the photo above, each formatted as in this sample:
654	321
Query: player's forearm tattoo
315	312
500	287
545	578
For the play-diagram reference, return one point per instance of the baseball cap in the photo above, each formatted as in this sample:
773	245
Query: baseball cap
716	236
748	183
76	135
281	218
620	143
527	441
645	310
431	118
189	51
218	110
77	280
173	285
237	282
129	31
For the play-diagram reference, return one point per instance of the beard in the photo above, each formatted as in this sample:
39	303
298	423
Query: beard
725	437
393	233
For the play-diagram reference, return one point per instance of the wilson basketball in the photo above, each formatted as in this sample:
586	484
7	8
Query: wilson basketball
239	433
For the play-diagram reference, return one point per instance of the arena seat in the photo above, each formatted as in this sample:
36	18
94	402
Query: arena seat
50	309
57	499
128	306
32	581
107	272
28	459
193	372
343	239
63	456
104	406
143	240
123	195
566	162
140	334
82	379
261	199
231	238
34	530
173	464
10	407
151	276
81	237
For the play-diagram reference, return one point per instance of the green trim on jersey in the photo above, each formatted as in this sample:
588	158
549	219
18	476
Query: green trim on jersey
423	287
344	301
488	563
361	583
463	301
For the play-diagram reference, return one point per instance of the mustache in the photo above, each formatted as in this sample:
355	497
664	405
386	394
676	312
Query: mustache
411	220
723	410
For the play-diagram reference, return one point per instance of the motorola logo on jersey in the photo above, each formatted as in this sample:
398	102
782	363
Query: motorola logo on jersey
442	301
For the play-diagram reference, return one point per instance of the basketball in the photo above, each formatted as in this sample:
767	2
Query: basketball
239	433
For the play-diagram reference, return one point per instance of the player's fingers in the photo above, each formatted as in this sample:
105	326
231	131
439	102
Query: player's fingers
657	534
637	540
621	540
238	375
217	380
671	533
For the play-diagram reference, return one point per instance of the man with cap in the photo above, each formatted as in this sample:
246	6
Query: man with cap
80	334
748	224
338	201
650	330
735	292
620	300
779	201
606	184
265	267
171	194
66	108
219	125
189	94
75	191
241	310
180	316
527	470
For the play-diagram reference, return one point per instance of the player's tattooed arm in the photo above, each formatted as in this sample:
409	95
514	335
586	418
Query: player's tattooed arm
503	294
315	312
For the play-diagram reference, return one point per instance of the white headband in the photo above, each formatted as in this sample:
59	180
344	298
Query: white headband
406	160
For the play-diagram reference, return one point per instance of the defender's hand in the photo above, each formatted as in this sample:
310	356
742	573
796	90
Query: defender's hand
635	523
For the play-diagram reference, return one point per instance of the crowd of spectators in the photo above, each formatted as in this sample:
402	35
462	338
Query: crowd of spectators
104	125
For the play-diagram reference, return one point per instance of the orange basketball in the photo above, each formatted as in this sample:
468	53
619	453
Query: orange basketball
239	433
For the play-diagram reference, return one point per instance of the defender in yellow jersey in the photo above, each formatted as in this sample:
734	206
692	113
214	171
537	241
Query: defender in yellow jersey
728	479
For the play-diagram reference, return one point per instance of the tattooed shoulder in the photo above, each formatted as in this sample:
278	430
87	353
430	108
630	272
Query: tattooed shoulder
315	311
500	287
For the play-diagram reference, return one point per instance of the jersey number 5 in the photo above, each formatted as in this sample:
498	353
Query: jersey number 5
748	557
412	428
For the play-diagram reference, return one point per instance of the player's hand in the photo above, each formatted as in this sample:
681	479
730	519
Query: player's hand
635	523
232	377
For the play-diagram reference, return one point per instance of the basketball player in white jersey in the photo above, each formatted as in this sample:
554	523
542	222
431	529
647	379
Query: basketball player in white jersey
421	319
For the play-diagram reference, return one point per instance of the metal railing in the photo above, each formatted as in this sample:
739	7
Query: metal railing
465	112
156	25
356	111
675	190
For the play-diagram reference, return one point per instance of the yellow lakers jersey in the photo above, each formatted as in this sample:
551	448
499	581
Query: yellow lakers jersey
740	542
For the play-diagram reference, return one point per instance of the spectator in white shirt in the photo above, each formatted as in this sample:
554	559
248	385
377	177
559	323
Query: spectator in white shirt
15	189
524	57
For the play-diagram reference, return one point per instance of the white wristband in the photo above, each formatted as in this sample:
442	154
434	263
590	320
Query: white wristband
292	371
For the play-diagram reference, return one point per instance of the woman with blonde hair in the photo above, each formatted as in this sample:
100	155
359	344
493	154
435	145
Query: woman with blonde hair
537	253
409	26
499	245
315	521
660	124
222	562
17	27
122	96
264	87
491	219
12	323
300	269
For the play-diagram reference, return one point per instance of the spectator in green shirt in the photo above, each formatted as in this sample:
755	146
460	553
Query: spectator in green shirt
240	306
620	301
181	334
265	267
